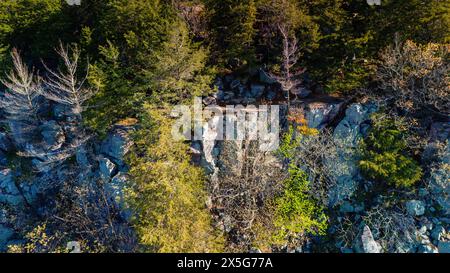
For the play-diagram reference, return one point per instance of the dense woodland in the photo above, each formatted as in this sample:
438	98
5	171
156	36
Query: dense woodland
127	62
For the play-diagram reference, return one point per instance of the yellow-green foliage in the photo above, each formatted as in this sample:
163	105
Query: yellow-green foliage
39	241
296	212
384	155
169	195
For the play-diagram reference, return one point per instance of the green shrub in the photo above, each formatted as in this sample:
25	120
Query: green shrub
296	212
384	156
293	211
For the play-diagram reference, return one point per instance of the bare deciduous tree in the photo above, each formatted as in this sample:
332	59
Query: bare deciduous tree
193	13
394	229
319	155
247	180
63	86
19	102
87	212
289	76
416	76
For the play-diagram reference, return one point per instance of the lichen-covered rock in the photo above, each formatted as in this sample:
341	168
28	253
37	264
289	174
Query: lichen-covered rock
415	207
440	187
346	137
345	187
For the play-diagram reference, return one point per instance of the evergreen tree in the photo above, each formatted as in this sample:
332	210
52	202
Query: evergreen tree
179	71
169	193
384	155
232	26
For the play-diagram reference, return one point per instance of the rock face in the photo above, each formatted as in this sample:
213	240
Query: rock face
415	208
440	186
319	115
265	77
116	145
107	168
116	189
53	135
444	247
350	130
9	193
346	136
257	90
5	235
5	143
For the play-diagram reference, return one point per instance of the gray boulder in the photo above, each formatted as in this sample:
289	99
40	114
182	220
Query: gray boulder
437	233
257	90
349	130
265	77
356	114
319	114
116	145
345	187
415	207
440	187
107	168
367	243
